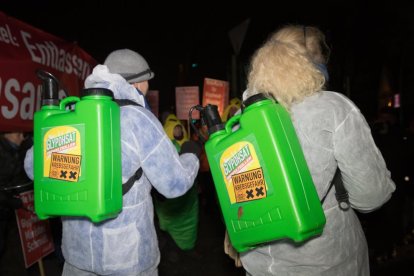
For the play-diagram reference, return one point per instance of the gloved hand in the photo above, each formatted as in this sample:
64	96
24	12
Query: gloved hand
192	147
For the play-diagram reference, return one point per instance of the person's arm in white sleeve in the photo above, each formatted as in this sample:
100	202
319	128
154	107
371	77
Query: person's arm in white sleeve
363	169
170	174
28	163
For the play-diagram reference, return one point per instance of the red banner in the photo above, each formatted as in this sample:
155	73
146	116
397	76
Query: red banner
35	234
23	49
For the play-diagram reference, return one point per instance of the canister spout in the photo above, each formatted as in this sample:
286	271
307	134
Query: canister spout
212	118
50	86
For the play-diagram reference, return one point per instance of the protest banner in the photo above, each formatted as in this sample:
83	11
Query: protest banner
216	92
153	98
185	98
35	235
23	50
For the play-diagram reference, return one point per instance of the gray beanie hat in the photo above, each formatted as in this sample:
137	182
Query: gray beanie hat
130	65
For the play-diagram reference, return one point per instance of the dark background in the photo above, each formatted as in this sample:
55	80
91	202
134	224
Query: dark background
371	60
186	41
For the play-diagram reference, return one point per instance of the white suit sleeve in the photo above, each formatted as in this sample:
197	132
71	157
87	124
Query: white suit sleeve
144	137
28	163
362	166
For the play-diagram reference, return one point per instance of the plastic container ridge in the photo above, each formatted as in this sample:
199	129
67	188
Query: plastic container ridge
262	180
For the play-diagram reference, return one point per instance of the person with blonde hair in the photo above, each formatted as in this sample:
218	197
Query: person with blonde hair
291	67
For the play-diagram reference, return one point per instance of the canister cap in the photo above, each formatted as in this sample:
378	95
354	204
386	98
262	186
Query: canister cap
96	92
254	99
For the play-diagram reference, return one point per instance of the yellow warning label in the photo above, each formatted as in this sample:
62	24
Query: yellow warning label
249	185
238	160
60	140
65	166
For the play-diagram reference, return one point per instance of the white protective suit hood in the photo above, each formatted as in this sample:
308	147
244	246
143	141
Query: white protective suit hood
101	77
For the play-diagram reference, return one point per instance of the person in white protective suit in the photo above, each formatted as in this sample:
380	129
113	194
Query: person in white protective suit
127	244
291	67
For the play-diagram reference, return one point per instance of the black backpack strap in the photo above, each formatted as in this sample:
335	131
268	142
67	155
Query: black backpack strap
123	102
341	193
137	175
128	185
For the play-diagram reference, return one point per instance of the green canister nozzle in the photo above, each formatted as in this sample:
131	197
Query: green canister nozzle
50	86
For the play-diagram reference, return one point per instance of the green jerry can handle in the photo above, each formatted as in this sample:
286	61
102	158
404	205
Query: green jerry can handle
231	122
66	101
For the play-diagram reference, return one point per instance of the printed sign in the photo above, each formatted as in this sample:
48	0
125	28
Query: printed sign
185	98
153	98
216	92
35	235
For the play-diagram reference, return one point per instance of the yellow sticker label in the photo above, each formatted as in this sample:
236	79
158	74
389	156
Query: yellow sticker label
65	167
238	164
249	185
62	153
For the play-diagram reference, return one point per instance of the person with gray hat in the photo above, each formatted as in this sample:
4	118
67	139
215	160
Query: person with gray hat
132	67
127	244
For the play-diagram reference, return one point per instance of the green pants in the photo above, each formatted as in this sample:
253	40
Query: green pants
179	217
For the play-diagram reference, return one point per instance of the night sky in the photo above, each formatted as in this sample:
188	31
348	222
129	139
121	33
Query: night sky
368	39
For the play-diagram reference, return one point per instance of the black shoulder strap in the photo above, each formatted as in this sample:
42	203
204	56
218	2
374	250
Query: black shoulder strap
341	193
123	102
128	185
137	175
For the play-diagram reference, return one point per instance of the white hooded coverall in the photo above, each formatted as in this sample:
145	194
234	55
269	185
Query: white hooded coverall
332	132
127	244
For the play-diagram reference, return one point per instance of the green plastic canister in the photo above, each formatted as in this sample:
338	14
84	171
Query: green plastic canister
77	157
263	183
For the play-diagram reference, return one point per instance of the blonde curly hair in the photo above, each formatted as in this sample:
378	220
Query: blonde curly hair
286	65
